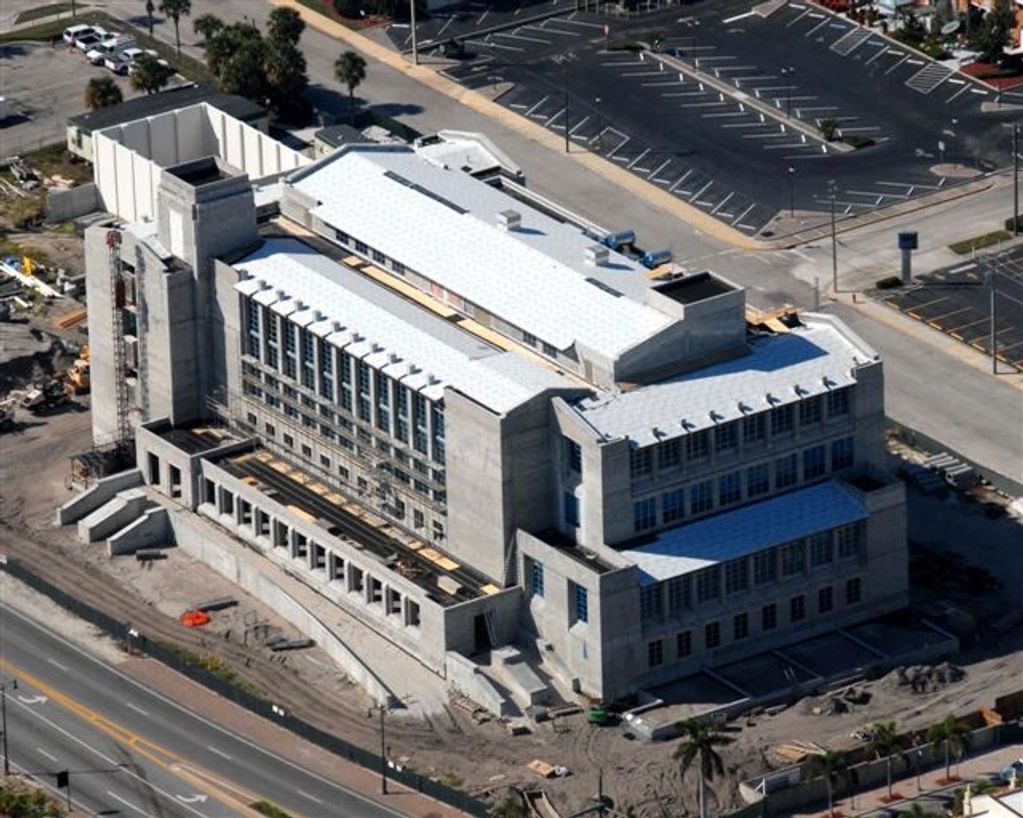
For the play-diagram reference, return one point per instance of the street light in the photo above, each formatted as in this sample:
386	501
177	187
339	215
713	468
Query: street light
13	685
600	139
1015	179
834	240
381	709
412	21
786	72
792	192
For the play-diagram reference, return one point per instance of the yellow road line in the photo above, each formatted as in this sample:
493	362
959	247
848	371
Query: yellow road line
146	748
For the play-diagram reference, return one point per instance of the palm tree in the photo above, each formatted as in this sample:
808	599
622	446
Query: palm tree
102	92
954	735
885	743
207	26
350	69
831	765
150	10
147	74
699	741
284	25
176	9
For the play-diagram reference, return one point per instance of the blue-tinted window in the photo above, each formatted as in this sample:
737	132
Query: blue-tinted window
582	604
730	488
701	497
758	480
814	462
571	503
841	453
673	506
644	514
536	578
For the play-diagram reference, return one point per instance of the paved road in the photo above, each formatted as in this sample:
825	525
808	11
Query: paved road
172	763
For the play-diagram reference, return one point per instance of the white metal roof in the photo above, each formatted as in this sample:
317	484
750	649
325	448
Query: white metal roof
779	369
732	534
442	223
417	348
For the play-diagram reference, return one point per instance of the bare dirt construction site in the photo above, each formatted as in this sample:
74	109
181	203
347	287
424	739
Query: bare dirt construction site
483	758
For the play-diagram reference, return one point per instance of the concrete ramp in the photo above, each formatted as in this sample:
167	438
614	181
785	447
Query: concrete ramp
510	667
114	515
98	494
151	530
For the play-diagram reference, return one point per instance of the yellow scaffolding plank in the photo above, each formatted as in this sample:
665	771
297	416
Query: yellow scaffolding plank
490	589
301	512
281	466
410	292
318	488
263	457
336	499
430	554
487	334
354	261
447	564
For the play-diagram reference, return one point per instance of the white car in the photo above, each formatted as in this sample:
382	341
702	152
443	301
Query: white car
98	54
116	63
166	66
87	42
72	33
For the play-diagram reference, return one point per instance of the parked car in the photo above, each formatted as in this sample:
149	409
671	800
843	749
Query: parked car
117	63
72	33
166	66
86	42
98	54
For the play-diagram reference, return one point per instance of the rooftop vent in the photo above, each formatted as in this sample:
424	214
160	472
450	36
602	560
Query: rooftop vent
432	379
261	283
317	315
336	326
596	255
299	305
509	219
394	357
281	295
377	348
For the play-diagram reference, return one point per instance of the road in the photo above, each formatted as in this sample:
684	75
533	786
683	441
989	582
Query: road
135	753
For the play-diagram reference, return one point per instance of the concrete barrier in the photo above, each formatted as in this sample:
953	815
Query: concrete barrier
150	530
98	494
201	539
465	676
114	515
65	205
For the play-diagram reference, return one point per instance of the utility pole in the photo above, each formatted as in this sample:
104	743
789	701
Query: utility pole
564	84
382	711
834	239
994	371
1015	179
412	18
792	192
13	684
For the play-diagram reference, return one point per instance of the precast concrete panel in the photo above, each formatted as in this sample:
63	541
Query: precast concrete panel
253	157
233	151
125	196
164	142
191	139
270	155
135	136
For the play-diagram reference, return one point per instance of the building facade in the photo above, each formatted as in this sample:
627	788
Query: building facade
471	424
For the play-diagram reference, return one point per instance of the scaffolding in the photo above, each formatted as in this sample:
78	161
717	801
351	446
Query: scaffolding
123	433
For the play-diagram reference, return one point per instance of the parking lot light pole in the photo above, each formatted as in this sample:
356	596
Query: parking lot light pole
412	22
834	239
564	83
1015	179
600	122
792	192
787	72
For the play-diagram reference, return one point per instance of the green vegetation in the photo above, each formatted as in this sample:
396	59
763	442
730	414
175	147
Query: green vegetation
19	800
102	92
832	766
148	75
699	743
886	743
268	809
967	246
350	70
175	10
215	666
994	31
828	128
451	780
953	735
42	11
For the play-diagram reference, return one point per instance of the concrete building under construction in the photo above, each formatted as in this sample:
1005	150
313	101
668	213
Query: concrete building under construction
451	410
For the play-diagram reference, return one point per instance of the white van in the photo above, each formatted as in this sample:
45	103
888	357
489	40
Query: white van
72	33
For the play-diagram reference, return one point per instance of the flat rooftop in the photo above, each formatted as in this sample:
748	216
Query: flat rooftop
310	498
425	350
692	288
449	233
779	369
738	532
197	439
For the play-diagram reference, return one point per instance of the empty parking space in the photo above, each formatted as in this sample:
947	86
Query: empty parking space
957	301
732	112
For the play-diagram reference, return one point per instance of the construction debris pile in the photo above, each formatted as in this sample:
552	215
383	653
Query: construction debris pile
925	679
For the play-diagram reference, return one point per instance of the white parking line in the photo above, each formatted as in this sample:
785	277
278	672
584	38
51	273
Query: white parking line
634	161
661	84
980	91
220	753
579	124
800	17
680	179
962	90
818	107
771	135
641	73
713	104
787	145
620	63
722	202
879	54
485	44
861	128
915	62
742	124
744	213
541	102
956	81
620	146
900	62
723	114
701	190
811	32
45	754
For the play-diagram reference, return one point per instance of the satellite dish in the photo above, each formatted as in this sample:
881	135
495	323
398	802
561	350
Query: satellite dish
951	27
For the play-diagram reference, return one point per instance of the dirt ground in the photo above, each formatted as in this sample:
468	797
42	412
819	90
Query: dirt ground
484	758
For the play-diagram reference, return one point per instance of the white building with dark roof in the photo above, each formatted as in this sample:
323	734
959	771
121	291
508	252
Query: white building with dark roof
471	424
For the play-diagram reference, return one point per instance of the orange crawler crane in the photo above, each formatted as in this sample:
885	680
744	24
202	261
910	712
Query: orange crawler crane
195	619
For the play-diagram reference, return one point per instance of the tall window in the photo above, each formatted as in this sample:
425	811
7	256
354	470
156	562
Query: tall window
758	480
270	321
678	594
420	435
726	437
783	420
363	379
698	444
811	410
644	514
437	420
684	644
825	599
708	584
786	471
822	550
669	453
252	324
308	362
730	488
536	583
736	575
673	506
848	538
655	653
573	456
382	385
769	617
640	461
853	591
582	603
765	566
797	608
841	453
344	377
754	427
838	402
712	635
571	504
740	626
650	606
814	462
290	352
401	426
326	356
701	497
792	559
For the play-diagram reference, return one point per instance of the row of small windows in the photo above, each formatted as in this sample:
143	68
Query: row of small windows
364	391
679	595
730	486
578	596
436	290
769	619
725	438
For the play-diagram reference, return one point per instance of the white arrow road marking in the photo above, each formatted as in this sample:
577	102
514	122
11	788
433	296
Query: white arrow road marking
32	699
192	799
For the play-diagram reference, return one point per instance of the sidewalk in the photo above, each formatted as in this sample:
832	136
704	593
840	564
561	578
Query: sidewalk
931	781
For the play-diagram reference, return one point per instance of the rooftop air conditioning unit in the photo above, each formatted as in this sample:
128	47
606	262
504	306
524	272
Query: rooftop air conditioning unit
596	255
509	219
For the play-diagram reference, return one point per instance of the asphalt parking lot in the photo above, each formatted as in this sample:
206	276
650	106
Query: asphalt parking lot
711	143
957	302
44	86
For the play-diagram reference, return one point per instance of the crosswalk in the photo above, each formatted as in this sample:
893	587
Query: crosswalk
929	77
848	43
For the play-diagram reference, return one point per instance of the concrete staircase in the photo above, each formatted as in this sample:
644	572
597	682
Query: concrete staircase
116	514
